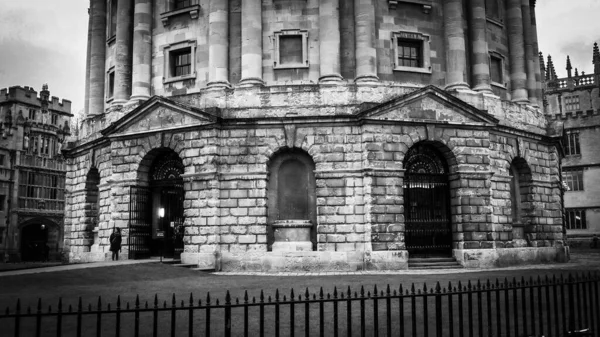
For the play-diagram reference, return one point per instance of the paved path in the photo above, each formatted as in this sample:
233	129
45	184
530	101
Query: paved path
588	261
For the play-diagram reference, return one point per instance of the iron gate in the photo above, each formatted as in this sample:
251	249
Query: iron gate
172	201
427	218
140	227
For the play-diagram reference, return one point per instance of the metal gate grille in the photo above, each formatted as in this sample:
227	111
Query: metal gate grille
140	225
427	215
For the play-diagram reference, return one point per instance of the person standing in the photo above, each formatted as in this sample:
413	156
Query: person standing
115	243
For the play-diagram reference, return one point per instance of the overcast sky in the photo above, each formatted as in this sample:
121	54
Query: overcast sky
45	41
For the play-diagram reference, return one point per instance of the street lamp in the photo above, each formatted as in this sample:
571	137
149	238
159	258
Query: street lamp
161	215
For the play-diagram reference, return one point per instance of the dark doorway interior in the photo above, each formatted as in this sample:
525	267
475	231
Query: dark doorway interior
427	203
34	243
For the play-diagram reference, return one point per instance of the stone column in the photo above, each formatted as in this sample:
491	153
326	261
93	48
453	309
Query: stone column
366	53
86	103
142	50
329	41
536	52
218	44
480	59
518	77
251	43
454	36
123	55
97	57
529	54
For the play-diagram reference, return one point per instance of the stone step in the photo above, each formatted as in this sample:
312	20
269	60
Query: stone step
208	270
455	266
185	265
171	261
432	259
433	263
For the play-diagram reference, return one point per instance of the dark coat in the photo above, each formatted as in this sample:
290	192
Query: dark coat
115	242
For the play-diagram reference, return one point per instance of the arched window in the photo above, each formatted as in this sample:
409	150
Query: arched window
515	194
92	202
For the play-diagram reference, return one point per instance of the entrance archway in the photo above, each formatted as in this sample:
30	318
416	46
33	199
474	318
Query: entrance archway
156	210
39	240
428	230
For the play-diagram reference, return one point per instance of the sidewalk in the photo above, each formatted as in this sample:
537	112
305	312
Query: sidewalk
75	266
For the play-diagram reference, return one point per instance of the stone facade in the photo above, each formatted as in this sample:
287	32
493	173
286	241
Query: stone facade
351	111
574	102
32	174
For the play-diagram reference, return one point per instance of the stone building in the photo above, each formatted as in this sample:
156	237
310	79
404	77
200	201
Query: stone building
32	173
574	101
305	134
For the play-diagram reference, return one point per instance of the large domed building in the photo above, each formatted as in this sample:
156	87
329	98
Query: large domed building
315	135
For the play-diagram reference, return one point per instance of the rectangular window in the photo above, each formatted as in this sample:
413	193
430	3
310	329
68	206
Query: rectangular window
572	143
54	119
2	159
291	49
492	9
496	68
574	179
32	115
409	53
179	4
111	84
2	202
572	103
182	62
575	218
111	23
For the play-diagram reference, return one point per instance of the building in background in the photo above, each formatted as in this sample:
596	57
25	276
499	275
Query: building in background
32	174
575	101
315	134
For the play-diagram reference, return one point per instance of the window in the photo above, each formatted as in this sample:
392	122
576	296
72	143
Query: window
35	141
2	202
572	103
179	4
45	148
572	143
492	9
2	159
32	115
111	20
180	61
497	69
54	119
290	49
574	179
515	193
39	187
575	218
110	85
411	52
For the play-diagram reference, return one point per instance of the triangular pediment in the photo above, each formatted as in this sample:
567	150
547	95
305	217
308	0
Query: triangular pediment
428	104
159	113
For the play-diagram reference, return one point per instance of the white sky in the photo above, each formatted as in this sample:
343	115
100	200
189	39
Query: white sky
45	41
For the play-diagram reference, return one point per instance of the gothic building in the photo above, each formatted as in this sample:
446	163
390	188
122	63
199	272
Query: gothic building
32	174
574	101
307	135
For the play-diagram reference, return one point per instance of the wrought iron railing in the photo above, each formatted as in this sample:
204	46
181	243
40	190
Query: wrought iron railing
543	307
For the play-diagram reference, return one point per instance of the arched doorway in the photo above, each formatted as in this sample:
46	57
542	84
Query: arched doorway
156	209
428	230
292	193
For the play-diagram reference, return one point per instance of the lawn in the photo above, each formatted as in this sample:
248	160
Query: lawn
146	280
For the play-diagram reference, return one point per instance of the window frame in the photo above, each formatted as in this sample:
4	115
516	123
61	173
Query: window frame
110	84
495	55
499	19
171	50
277	53
193	9
111	21
571	214
572	103
573	144
573	177
423	40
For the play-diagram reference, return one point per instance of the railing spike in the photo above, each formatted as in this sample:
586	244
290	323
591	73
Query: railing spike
449	286
165	304
245	296
412	289
425	287
375	290
127	305
349	292
284	298
19	304
314	296
155	300
227	297
70	308
217	302
335	294
438	287
137	301
191	299
50	308
99	303
182	303
108	307
306	294
292	294
478	284
89	306
173	301
321	293
146	305
388	290
277	294
208	298
237	301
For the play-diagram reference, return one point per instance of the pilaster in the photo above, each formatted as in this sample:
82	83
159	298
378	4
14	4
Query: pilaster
530	56
86	102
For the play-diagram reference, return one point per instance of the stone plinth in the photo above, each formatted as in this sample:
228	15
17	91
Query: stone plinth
292	236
